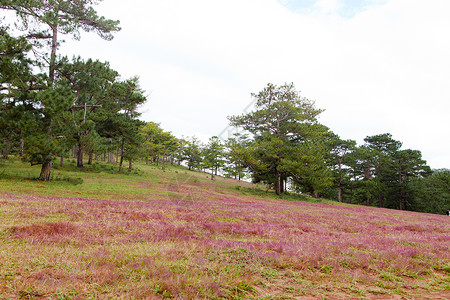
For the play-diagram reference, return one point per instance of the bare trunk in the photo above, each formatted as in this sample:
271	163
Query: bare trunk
110	154
110	157
79	155
21	148
277	184
61	163
281	184
121	155
164	159
51	71
91	158
130	165
340	189
45	171
6	149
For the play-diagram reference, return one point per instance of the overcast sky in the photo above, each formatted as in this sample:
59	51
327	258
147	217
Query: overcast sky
375	66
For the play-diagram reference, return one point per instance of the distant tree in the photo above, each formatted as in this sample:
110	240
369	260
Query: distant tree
158	143
431	194
151	133
192	153
213	155
382	172
238	155
338	161
408	164
121	117
168	144
285	129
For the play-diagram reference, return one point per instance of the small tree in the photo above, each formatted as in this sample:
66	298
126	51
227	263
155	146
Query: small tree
213	155
192	153
238	154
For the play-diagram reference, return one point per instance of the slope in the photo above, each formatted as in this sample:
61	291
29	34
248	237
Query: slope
154	234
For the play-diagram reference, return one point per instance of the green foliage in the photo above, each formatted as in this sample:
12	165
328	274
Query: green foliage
192	153
431	194
379	173
288	140
213	155
42	21
238	156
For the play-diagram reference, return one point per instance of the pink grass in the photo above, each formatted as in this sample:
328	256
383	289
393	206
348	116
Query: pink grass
200	243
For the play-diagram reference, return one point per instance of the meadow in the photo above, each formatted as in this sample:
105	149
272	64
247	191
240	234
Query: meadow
174	233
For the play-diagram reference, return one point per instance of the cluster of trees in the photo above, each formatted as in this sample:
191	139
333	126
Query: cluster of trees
52	105
285	147
216	156
290	149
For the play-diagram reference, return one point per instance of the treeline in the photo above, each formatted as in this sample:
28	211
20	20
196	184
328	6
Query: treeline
53	106
290	150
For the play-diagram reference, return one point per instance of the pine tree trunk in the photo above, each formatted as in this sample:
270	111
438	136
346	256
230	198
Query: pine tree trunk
110	154
164	159
6	149
121	155
45	171
340	189
53	53
277	184
21	148
79	155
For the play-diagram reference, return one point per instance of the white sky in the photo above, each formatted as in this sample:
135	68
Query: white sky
375	66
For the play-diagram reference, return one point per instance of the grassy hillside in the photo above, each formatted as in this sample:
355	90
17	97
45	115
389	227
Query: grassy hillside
96	234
